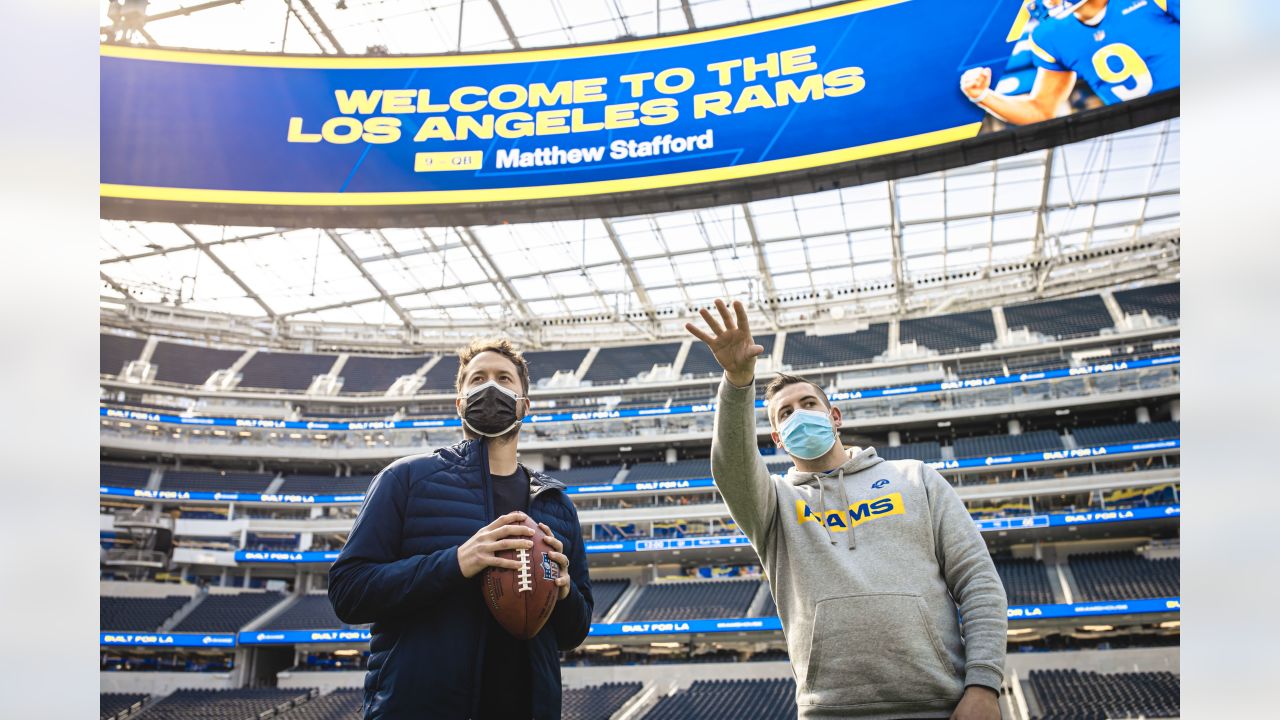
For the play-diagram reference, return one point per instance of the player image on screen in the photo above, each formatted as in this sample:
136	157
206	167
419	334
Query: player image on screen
1123	50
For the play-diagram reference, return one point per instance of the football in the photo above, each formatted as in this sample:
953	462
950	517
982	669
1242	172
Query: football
522	600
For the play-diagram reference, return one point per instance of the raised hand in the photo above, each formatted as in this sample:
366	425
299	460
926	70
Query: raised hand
731	342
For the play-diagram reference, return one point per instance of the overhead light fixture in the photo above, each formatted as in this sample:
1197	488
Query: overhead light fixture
1097	628
1170	624
665	645
347	652
1020	631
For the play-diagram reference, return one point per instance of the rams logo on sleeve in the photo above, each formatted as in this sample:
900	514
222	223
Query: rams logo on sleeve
857	514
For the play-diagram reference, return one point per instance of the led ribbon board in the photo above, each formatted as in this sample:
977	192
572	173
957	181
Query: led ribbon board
653	486
593	547
153	639
791	93
760	624
593	415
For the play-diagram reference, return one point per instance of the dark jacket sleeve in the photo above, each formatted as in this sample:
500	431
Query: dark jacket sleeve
370	582
571	620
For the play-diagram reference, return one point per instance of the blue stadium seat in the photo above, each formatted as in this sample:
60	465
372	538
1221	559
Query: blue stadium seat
278	542
1157	300
344	704
693	600
619	364
116	351
590	475
1072	317
774	655
138	614
443	376
215	481
284	370
1028	442
605	593
123	476
241	704
190	364
227	613
911	451
110	705
755	699
1077	695
545	363
950	333
1123	575
1128	433
596	702
1025	581
678	470
310	612
373	374
1034	361
324	485
809	351
778	466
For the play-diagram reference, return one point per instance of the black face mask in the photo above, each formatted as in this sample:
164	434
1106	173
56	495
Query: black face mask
490	410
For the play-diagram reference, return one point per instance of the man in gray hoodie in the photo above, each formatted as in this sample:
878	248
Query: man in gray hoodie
869	560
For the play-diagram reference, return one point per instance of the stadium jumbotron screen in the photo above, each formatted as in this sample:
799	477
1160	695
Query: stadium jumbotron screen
807	90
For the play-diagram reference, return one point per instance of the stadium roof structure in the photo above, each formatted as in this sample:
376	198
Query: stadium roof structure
1046	223
358	27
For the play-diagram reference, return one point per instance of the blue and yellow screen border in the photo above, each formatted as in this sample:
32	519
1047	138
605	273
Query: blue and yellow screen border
537	192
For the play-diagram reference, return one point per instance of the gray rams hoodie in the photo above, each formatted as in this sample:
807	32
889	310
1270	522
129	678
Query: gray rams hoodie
868	599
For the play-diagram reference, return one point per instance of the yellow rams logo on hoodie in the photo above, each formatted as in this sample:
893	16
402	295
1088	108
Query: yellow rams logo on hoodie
857	514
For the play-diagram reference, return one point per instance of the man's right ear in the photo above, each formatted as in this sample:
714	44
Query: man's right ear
777	440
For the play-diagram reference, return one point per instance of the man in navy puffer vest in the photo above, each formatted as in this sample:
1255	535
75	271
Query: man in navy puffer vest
429	525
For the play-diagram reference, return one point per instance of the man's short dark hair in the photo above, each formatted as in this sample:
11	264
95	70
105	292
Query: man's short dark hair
499	345
782	380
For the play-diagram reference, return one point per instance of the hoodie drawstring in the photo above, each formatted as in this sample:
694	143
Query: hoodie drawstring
844	497
822	498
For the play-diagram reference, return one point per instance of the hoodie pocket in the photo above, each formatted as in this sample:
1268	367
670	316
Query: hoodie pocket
876	648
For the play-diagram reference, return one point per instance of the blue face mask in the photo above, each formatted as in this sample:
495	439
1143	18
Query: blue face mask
807	434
